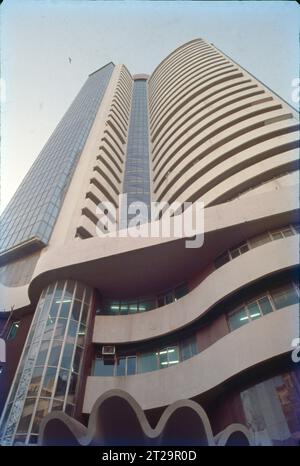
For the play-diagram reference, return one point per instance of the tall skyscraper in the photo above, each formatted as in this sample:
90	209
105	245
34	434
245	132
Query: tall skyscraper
96	326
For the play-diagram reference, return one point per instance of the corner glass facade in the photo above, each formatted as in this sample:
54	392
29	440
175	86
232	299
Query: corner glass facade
47	377
137	174
33	210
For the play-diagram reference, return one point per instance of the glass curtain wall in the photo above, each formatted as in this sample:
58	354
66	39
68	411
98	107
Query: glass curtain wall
49	368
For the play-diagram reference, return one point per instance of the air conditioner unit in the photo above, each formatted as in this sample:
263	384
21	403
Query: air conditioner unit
108	350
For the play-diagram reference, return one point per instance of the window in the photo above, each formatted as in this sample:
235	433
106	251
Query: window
238	318
188	348
259	240
168	356
222	259
131	365
284	296
126	365
250	311
282	233
104	368
147	362
13	330
240	249
181	290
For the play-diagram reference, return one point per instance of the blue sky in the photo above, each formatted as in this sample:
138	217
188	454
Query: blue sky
38	37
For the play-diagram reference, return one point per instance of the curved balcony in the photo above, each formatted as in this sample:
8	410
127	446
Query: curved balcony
228	279
234	353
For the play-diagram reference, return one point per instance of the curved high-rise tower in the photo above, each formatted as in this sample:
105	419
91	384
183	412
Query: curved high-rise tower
96	325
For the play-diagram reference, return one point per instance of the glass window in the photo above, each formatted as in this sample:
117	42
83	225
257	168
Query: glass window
121	366
259	240
60	329
85	311
163	358
131	365
76	310
65	306
42	353
26	415
284	296
222	259
160	301
276	235
104	368
173	355
235	253
61	385
77	359
147	362
70	409
254	310
188	348
265	305
48	381
55	353
57	405
41	411
72	388
35	381
169	297
147	305
81	335
287	232
13	330
67	355
238	318
181	291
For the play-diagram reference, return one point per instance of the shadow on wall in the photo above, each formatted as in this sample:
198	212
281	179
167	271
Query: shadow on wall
117	419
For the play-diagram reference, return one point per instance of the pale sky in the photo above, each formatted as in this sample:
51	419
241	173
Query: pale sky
38	37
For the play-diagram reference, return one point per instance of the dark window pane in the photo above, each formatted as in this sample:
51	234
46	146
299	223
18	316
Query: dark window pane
238	318
48	381
85	311
13	330
181	291
284	296
70	409
81	335
102	369
35	381
65	307
254	310
41	412
61	385
121	363
72	388
67	356
55	353
131	365
265	305
76	310
60	329
26	415
147	362
77	359
222	259
42	353
57	405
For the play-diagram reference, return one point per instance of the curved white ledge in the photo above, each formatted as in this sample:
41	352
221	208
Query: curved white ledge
233	354
236	274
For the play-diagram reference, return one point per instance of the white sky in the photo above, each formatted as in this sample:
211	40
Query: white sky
37	37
